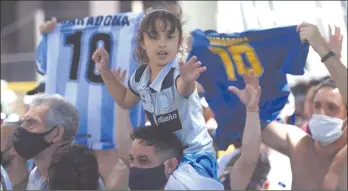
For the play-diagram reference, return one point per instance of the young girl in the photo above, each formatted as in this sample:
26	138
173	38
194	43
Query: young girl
166	86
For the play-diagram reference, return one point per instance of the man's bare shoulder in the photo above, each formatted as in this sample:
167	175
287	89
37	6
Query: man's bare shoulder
297	136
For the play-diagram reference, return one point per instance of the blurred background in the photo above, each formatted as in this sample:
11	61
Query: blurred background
20	22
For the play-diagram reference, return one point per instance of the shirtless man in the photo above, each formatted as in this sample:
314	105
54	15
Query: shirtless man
320	156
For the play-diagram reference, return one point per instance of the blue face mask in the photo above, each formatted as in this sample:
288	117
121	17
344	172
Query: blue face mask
147	178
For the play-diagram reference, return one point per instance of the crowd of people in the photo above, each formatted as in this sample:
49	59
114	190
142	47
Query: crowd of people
176	149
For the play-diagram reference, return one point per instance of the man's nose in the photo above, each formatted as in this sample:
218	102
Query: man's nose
319	111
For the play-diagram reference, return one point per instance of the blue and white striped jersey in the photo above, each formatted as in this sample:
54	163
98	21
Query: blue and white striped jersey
65	57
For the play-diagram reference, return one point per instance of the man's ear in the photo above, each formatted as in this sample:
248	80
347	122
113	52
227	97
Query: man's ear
56	135
170	166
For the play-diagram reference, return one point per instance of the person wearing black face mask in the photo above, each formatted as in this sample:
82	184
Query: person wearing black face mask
153	158
156	160
153	163
14	164
50	122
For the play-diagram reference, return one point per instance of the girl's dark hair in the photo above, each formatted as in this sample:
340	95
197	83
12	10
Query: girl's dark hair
170	14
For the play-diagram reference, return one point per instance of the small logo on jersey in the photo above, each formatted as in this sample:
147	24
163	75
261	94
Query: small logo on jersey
143	98
164	101
170	121
166	118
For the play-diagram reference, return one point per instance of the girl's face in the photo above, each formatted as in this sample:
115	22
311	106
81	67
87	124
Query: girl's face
162	44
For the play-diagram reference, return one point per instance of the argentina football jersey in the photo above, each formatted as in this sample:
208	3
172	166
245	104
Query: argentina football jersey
65	57
164	107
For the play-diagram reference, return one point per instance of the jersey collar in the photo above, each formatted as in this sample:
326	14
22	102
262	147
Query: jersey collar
157	83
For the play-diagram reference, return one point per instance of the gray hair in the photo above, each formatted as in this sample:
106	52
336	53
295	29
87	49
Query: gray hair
61	113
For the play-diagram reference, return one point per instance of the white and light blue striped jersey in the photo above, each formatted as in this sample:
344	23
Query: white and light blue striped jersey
65	57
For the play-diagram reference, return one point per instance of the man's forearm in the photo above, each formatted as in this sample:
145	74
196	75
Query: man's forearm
337	71
251	137
123	130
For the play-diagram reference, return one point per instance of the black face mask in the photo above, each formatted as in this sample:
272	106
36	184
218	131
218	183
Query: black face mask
28	144
147	178
5	161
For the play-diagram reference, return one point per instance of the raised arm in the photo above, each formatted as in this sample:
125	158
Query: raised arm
189	72
338	72
123	125
244	167
124	97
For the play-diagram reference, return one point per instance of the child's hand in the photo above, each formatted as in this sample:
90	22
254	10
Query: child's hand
101	59
250	96
48	26
191	70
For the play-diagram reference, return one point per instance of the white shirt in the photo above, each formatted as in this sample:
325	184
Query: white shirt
5	179
186	178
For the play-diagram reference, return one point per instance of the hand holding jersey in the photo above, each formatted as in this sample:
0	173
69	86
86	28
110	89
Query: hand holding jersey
312	158
48	26
309	32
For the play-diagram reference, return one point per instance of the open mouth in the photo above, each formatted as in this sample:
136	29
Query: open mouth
162	53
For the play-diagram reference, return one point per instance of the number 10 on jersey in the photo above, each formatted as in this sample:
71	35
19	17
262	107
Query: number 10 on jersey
75	40
236	52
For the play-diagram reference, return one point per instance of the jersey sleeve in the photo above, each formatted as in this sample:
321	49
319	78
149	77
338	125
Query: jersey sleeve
176	75
132	85
134	80
204	102
40	55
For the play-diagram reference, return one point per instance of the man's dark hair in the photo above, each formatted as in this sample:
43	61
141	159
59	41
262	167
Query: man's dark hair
165	142
262	169
326	84
316	82
73	167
